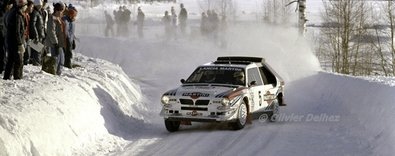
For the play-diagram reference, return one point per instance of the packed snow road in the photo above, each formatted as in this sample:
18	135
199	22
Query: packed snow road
327	114
311	124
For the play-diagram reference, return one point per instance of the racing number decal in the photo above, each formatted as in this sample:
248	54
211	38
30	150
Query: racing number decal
260	98
251	99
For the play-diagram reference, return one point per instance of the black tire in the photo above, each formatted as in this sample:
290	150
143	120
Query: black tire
241	121
273	115
172	126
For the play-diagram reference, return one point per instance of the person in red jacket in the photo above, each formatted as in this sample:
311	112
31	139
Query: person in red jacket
29	9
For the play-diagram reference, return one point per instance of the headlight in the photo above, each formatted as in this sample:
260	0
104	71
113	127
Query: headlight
225	101
165	99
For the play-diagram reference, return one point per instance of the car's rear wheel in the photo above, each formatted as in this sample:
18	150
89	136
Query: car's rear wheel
172	126
241	117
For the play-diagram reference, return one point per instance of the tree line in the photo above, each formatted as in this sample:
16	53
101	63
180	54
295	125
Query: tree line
357	37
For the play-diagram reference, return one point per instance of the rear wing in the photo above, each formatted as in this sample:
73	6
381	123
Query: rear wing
240	58
247	60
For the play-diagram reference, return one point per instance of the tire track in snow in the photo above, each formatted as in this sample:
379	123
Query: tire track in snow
233	142
172	139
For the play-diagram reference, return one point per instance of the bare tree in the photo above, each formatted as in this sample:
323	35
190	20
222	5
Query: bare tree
390	20
276	12
345	21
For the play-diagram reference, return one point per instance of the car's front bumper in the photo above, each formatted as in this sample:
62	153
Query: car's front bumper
200	116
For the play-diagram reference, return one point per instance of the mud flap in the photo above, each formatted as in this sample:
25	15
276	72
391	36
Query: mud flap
249	118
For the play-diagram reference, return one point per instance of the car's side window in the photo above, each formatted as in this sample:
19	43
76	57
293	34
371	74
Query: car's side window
253	75
265	81
269	76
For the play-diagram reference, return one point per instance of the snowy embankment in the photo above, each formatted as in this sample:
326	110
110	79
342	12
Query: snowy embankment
364	107
79	113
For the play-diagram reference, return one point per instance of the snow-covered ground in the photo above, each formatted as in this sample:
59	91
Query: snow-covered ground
113	108
72	114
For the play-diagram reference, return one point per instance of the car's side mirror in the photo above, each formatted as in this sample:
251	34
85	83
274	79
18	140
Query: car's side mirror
252	83
182	81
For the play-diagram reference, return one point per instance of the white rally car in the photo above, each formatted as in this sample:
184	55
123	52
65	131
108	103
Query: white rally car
226	90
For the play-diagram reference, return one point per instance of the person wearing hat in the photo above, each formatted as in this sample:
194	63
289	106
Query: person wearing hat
36	31
15	40
56	36
69	19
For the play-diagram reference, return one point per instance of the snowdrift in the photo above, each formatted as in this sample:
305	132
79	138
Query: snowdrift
83	112
365	107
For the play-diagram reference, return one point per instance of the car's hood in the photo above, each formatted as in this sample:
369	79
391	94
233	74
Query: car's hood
195	92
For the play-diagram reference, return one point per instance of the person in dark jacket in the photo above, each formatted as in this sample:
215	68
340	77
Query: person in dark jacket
3	6
69	19
45	13
182	18
36	32
15	40
56	36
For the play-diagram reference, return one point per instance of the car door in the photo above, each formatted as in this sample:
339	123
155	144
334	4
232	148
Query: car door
256	89
270	85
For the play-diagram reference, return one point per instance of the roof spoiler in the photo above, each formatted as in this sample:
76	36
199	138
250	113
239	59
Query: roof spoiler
240	59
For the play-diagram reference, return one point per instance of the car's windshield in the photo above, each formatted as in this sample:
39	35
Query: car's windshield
221	75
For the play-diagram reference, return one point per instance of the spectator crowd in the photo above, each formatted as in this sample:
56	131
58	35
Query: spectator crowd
32	33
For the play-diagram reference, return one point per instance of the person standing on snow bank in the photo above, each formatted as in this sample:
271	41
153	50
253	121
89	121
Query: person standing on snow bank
3	11
36	31
45	12
29	10
15	40
69	19
56	37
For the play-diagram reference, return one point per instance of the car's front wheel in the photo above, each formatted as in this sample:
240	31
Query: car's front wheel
241	117
172	126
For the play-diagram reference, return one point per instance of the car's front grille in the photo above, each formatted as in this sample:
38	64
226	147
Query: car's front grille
202	102
186	101
194	108
198	102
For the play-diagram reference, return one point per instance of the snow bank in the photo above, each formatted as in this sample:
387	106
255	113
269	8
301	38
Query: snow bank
366	110
381	79
82	112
